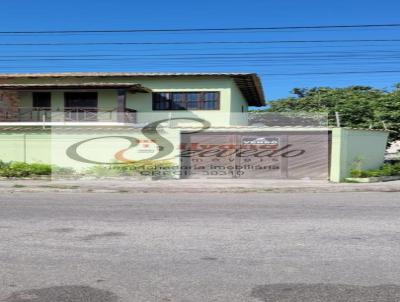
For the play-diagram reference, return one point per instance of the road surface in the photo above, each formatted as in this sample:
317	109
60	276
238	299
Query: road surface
58	247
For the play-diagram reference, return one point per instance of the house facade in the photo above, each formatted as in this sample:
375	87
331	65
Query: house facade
198	122
126	98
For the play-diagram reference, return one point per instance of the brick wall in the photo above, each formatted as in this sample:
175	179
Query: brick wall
9	103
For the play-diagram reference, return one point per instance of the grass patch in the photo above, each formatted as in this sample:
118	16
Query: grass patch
19	186
390	169
59	187
157	169
351	181
16	169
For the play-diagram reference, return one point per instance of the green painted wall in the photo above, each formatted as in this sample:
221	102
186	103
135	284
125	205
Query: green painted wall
25	147
50	147
239	107
350	146
105	146
142	102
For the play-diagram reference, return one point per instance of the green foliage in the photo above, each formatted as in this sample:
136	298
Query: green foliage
21	169
388	110
102	171
62	171
358	106
357	163
142	168
385	170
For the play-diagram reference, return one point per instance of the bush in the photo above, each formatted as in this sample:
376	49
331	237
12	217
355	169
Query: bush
21	169
62	171
384	170
141	168
102	171
358	173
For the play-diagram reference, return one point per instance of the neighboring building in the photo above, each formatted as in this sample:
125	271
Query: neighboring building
83	119
394	148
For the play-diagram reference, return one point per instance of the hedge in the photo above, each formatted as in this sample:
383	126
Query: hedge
22	169
384	170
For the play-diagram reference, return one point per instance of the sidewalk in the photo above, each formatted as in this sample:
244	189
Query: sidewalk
192	186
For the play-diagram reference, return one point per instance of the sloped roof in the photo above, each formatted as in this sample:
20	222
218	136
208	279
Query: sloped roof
248	83
95	85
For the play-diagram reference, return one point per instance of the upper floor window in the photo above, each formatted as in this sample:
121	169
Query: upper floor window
81	99
41	99
207	100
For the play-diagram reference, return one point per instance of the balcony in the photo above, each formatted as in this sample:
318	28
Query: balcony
68	115
80	103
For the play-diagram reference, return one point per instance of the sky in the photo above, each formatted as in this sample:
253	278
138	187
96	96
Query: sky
281	65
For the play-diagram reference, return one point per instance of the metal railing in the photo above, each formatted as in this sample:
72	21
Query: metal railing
67	114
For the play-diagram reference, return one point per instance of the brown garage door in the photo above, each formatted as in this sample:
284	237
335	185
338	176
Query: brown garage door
256	155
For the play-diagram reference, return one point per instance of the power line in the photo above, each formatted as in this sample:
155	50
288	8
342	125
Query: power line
217	54
204	60
282	74
223	59
197	42
161	30
345	58
231	47
331	73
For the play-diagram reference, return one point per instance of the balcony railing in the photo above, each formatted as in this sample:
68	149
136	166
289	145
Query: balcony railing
68	114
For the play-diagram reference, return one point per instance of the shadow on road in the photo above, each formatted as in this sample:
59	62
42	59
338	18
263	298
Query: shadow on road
63	294
299	292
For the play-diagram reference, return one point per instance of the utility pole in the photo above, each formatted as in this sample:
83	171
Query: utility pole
384	125
337	119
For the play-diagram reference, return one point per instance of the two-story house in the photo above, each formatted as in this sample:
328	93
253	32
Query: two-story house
108	98
42	115
198	121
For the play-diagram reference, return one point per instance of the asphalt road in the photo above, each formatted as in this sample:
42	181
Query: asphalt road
57	247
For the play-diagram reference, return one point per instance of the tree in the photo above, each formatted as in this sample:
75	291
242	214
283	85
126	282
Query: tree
358	106
388	112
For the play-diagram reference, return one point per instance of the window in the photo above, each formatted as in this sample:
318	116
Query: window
80	106
81	99
41	99
186	100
